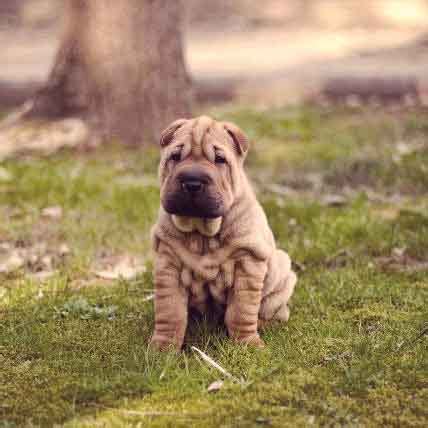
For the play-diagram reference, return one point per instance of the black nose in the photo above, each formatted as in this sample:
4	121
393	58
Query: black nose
193	180
192	186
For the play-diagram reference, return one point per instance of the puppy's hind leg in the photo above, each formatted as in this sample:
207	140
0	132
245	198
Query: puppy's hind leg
274	305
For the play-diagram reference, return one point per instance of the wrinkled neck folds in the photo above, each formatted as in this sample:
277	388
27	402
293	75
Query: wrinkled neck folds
205	226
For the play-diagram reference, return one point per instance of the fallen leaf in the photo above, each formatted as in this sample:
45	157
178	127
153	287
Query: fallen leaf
47	261
5	246
149	297
63	250
398	252
54	212
126	267
215	386
39	260
333	200
11	263
32	259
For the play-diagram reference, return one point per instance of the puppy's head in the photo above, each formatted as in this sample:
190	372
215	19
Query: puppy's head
201	167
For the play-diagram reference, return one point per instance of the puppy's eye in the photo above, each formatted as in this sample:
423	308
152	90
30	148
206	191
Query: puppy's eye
219	158
176	157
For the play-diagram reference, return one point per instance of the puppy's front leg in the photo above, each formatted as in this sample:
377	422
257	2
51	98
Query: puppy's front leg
244	300
171	300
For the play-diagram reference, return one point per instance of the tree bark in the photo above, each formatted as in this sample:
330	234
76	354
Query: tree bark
121	66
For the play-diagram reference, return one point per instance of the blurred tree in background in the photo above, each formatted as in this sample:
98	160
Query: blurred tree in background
120	65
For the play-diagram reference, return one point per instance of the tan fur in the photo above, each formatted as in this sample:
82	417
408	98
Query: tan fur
228	263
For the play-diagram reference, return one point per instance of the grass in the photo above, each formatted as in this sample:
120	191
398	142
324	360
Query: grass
73	349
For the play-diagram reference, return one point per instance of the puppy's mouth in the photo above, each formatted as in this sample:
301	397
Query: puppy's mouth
193	204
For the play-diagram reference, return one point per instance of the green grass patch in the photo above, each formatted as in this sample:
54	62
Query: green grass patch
384	151
73	347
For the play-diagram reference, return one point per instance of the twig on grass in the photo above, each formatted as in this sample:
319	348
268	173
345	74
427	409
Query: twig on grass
214	364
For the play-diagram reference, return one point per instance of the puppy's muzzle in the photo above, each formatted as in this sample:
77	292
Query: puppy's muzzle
193	182
192	186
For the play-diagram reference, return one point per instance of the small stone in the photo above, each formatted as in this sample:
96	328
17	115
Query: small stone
398	252
215	386
11	263
63	250
54	212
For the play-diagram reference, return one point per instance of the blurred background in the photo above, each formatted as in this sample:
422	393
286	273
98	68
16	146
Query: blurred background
271	52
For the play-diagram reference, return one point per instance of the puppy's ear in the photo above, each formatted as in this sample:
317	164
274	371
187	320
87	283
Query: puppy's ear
168	133
239	138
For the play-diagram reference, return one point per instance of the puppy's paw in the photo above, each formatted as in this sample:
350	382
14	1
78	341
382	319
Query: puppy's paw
253	340
160	343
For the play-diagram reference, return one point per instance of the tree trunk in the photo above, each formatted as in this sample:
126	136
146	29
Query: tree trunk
121	66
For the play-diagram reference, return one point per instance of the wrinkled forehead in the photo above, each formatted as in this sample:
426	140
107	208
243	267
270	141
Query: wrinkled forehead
201	137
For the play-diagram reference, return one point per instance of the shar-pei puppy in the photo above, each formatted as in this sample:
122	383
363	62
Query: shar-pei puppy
214	248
